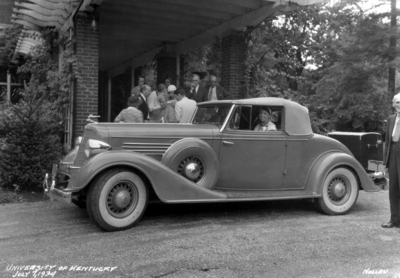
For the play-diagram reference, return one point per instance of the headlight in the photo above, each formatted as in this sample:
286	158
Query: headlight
94	147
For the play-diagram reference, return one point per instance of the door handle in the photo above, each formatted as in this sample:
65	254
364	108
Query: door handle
228	143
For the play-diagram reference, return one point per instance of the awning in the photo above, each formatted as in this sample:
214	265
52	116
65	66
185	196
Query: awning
40	13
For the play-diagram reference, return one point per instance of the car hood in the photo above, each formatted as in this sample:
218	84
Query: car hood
154	131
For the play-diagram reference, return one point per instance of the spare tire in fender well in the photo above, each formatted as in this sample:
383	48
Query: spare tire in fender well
195	160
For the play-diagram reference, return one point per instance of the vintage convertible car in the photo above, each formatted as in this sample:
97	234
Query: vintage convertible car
117	168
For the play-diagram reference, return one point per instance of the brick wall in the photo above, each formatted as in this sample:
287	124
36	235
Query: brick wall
6	11
233	56
87	51
166	66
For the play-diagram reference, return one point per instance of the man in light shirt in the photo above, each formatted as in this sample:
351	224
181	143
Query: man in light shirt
216	91
184	107
392	162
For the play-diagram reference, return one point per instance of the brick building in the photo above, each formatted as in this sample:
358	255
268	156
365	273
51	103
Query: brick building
115	38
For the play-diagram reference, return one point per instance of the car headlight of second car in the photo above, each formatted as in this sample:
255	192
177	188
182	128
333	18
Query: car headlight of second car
93	147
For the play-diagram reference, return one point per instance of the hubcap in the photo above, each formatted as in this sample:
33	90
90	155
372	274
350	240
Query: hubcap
339	190
122	199
192	168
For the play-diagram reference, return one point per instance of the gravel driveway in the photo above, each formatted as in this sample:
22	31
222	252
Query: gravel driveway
262	239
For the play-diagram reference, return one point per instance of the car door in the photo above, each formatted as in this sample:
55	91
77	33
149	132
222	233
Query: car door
300	156
250	160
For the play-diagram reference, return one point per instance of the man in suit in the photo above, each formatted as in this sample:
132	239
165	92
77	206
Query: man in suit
197	92
216	91
392	162
143	94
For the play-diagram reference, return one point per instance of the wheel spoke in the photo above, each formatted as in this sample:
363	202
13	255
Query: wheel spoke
122	199
339	190
192	168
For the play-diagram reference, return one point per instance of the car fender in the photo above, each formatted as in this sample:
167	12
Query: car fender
326	162
169	186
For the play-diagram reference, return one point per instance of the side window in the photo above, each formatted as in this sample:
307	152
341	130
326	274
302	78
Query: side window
267	118
213	114
241	118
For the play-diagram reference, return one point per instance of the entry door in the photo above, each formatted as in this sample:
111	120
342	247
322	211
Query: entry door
252	160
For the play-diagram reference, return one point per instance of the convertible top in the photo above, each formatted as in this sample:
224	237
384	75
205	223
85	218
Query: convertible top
297	120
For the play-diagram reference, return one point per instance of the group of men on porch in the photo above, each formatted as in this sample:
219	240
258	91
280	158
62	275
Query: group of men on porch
168	104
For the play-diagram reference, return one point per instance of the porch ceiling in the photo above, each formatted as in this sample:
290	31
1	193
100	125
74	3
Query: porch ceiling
134	30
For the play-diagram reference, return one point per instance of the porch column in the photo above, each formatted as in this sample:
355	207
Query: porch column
233	68
87	52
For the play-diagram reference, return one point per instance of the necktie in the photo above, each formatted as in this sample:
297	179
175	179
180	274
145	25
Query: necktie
210	94
396	135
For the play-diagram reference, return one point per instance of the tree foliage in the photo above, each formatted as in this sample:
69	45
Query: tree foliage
31	130
8	42
331	58
207	58
30	143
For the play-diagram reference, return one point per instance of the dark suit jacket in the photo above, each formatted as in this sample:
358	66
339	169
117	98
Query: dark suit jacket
188	92
221	93
199	95
388	138
144	107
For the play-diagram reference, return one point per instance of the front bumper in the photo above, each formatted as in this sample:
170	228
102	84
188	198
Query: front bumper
51	190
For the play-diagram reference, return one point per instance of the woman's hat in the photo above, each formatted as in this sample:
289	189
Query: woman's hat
171	88
134	100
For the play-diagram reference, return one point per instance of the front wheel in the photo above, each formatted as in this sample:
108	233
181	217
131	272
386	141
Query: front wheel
117	200
339	192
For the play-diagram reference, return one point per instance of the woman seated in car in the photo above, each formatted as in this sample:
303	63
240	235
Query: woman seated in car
265	120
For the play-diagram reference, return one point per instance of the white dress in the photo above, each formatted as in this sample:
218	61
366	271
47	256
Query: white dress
270	126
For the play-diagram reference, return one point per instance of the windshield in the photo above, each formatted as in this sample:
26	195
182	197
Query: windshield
212	114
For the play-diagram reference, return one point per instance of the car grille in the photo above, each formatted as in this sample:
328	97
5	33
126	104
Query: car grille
147	148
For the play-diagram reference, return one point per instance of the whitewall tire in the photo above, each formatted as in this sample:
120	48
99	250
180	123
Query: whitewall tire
117	199
339	192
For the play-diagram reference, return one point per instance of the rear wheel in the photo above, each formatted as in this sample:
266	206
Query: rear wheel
339	192
117	199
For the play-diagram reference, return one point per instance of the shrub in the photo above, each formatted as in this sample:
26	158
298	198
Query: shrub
29	132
